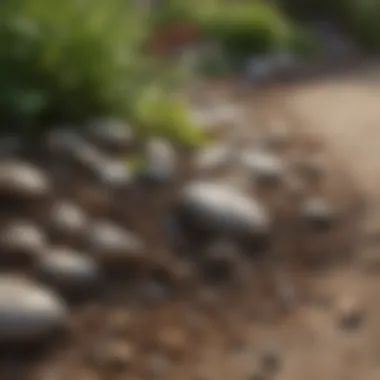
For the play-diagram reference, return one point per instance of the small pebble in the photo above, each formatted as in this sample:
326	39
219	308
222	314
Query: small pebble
69	271
22	181
264	167
114	246
67	220
114	174
111	135
28	312
64	142
211	159
318	214
350	314
160	162
21	241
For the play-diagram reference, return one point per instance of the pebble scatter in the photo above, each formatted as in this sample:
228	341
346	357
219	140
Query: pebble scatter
90	222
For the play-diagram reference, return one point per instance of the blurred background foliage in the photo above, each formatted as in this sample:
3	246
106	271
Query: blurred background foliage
74	60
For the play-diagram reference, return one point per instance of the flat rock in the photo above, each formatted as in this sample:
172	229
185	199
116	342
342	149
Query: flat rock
67	220
212	159
113	174
28	312
23	181
112	135
264	167
112	245
160	162
69	271
21	241
318	213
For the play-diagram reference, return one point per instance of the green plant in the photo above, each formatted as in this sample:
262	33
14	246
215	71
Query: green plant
66	60
74	60
165	114
248	28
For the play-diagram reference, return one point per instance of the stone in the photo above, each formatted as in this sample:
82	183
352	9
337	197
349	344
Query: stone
216	209
211	159
160	162
264	167
28	312
111	135
64	142
114	246
350	313
22	181
67	220
69	271
318	213
114	174
21	242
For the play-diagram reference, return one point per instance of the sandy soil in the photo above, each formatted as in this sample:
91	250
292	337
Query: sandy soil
344	112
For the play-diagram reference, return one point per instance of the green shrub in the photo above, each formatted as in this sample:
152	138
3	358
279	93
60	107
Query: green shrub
244	29
66	60
75	60
163	114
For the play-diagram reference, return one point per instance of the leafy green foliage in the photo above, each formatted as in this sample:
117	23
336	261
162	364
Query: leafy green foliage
69	59
248	28
72	60
160	114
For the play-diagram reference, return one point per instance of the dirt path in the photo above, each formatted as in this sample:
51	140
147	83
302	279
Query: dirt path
346	113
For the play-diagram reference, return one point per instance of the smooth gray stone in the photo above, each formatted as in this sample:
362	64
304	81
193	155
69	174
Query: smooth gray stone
222	209
28	312
20	180
69	271
111	134
21	241
113	245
